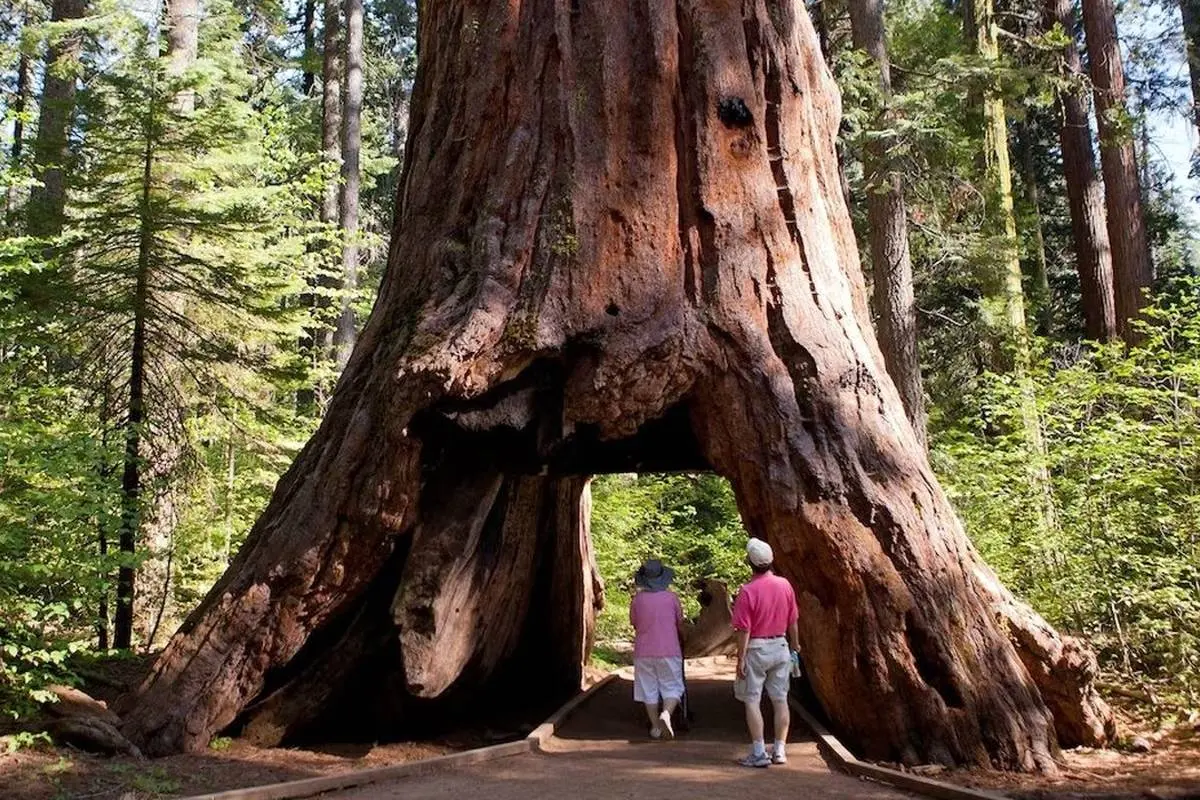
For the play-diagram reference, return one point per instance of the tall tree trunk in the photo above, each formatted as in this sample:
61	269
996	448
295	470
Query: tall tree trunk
587	284
347	326
317	340
1003	296
887	220
308	59
1190	10
1042	300
47	200
135	415
19	102
822	18
1132	270
182	46
1085	195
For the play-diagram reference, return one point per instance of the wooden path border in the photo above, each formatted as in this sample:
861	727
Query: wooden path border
845	760
307	787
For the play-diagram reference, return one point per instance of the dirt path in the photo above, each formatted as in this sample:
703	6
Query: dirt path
603	753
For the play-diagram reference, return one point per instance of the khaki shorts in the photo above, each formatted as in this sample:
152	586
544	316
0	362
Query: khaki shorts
768	666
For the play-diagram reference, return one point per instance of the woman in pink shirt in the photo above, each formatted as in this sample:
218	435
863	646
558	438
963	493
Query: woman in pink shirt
657	620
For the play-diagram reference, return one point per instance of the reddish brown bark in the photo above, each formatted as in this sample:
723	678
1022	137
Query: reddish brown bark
583	283
1132	270
1085	195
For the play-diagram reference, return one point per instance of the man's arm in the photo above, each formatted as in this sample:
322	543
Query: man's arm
743	642
793	636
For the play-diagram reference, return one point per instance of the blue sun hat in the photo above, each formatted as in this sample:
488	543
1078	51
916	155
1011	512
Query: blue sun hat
653	576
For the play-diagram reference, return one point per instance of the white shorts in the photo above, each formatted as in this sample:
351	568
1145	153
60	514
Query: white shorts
657	678
769	666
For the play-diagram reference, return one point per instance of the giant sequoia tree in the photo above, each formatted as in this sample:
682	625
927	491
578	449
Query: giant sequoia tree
620	244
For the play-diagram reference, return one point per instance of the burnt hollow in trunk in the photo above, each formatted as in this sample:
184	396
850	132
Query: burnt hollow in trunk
620	244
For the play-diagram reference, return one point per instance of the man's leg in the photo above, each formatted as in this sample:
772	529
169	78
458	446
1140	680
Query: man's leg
754	721
783	719
778	682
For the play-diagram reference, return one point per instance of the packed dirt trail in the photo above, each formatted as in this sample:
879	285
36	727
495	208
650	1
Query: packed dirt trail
603	752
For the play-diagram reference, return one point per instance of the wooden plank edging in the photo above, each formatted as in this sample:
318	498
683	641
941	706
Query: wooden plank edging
538	737
307	787
892	777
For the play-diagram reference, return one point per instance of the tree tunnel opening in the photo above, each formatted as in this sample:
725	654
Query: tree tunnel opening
482	617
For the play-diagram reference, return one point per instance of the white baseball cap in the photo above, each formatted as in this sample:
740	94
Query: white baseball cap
759	553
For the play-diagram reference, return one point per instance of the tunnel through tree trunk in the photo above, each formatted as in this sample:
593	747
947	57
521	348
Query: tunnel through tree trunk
620	244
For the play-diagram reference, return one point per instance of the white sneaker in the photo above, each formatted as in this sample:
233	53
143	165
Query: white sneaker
778	757
655	732
664	722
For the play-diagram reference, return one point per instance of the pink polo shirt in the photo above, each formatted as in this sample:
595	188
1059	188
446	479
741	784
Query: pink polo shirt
654	616
765	606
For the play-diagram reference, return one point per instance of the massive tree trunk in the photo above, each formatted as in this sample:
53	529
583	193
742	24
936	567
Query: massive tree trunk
620	245
57	109
1085	195
1132	271
887	221
346	332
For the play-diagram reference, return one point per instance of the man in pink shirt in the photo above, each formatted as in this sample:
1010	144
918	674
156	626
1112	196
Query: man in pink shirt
764	616
657	620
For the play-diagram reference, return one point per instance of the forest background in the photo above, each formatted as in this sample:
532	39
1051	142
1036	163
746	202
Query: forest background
196	203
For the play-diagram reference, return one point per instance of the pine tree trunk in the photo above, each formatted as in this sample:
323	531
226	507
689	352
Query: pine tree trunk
135	416
182	46
309	75
587	284
19	101
57	110
1132	270
1085	195
887	221
346	333
317	341
1190	10
1042	300
1004	299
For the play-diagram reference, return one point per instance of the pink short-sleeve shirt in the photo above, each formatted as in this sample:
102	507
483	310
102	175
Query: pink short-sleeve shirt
765	606
655	617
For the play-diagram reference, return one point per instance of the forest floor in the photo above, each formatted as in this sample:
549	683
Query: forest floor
1169	770
42	771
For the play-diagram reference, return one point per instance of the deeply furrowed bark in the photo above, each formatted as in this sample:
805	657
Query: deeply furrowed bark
1132	268
620	245
1085	195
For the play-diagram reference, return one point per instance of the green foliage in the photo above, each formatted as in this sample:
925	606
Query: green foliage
1122	431
691	522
